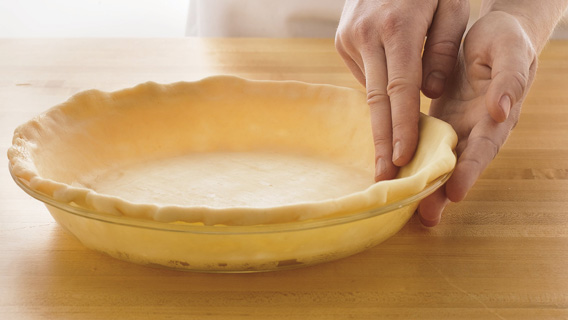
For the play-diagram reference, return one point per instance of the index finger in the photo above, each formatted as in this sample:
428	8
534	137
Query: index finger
380	112
404	63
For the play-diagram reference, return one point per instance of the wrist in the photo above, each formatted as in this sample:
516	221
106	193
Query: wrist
536	18
526	29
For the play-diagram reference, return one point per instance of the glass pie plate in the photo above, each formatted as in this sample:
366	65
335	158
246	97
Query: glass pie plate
60	156
233	248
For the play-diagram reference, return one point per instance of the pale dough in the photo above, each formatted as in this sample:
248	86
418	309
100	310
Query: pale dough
223	180
222	150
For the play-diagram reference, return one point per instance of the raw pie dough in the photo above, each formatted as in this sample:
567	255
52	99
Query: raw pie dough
222	150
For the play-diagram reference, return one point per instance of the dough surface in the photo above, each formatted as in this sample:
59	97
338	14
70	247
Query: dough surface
223	180
223	150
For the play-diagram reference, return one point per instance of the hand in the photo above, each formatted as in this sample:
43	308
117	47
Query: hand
496	68
381	42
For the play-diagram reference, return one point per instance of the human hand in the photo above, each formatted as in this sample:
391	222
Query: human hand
381	42
482	102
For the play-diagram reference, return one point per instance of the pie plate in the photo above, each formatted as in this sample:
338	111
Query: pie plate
223	174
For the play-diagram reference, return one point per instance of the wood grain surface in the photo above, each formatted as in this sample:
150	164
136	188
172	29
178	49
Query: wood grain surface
500	254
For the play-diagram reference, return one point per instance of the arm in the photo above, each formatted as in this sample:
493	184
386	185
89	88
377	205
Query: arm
538	18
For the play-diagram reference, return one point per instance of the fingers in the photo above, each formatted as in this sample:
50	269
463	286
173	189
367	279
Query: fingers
510	76
431	208
371	73
442	45
369	67
394	99
483	144
382	45
380	110
404	67
393	95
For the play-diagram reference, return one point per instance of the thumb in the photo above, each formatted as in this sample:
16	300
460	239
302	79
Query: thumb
510	80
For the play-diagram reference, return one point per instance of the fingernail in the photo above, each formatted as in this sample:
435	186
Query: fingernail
381	168
505	104
397	151
435	82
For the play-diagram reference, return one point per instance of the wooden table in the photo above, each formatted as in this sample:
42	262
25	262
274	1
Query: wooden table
500	254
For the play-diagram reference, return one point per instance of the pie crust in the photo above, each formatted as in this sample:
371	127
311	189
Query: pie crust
219	151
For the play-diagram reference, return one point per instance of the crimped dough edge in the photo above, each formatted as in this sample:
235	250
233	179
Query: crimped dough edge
436	144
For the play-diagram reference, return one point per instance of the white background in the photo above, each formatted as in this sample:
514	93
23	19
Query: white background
114	18
93	18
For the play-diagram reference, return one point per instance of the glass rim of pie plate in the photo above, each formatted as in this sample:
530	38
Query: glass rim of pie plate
186	227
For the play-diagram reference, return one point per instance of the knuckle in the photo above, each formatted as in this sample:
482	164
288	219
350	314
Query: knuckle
380	142
361	29
519	82
486	143
459	8
444	48
343	29
341	49
473	162
338	43
521	79
392	23
342	39
376	97
355	30
400	85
